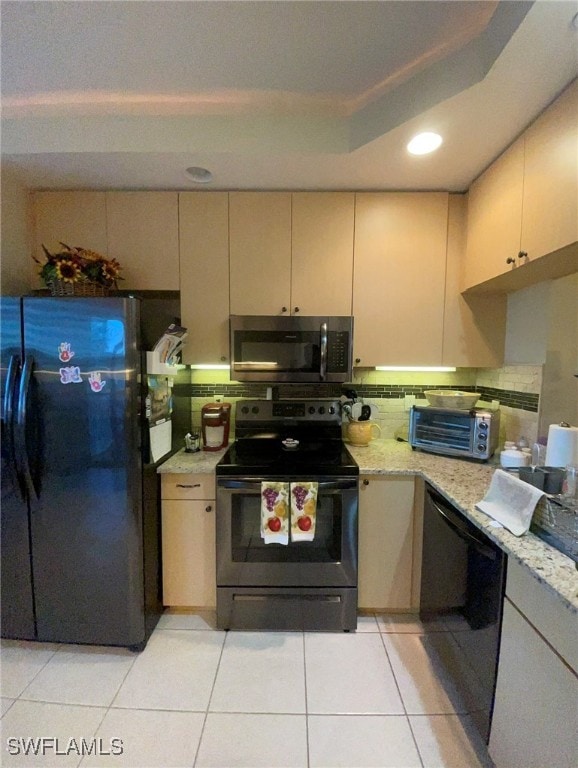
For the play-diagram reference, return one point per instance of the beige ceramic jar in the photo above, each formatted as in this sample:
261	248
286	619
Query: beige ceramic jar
362	432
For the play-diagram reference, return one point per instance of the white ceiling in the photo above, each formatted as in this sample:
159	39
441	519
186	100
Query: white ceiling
274	95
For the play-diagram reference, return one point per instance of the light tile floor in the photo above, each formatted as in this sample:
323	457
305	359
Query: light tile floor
204	698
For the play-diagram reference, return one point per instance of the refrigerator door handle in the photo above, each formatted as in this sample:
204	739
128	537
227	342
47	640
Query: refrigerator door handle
20	426
8	429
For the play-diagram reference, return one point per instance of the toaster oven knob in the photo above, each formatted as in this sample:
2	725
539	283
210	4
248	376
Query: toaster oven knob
481	447
483	426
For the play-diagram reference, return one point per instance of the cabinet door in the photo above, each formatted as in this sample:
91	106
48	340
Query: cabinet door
399	278
385	543
495	218
322	253
188	536
535	721
550	208
143	234
260	252
474	325
204	275
74	218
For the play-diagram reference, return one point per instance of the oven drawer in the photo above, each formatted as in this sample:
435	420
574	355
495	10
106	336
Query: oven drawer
188	486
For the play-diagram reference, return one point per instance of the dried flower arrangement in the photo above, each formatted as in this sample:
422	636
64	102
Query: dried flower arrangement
78	271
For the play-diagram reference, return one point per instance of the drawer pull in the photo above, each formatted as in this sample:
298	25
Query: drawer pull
209	508
196	485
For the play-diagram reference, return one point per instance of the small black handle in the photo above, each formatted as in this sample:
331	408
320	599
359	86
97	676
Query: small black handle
223	358
296	309
357	359
209	508
523	255
283	309
366	482
510	260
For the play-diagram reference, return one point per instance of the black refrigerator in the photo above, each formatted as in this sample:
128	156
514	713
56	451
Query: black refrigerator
80	515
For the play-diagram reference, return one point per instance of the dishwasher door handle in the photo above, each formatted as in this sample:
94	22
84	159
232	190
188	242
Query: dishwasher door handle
463	532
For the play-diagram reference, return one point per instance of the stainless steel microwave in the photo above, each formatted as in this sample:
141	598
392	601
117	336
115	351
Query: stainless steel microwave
291	349
470	434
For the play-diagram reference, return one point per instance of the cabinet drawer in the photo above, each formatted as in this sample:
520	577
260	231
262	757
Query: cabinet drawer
190	486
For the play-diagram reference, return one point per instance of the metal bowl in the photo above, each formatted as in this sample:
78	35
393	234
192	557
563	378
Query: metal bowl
451	398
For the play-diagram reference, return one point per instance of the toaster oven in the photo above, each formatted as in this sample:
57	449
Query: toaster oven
471	434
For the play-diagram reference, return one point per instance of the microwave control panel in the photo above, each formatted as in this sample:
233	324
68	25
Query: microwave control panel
338	351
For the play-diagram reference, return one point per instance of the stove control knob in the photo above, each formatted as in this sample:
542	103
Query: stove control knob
244	409
331	410
322	410
254	409
311	409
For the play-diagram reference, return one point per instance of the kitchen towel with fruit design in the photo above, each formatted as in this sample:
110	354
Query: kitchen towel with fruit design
275	513
303	510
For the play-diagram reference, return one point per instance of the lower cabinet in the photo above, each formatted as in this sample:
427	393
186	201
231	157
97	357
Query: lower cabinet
188	541
535	722
386	543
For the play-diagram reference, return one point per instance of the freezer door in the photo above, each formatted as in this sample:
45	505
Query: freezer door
82	443
17	615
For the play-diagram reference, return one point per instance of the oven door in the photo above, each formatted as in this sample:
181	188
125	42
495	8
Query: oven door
244	559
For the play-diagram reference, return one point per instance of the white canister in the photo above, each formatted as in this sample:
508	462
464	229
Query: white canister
512	457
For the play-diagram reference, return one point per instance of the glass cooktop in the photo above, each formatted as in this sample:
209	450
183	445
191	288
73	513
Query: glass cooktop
268	457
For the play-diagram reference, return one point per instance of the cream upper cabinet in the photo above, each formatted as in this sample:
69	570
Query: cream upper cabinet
204	270
386	543
322	253
550	201
474	325
291	253
260	252
495	218
74	218
143	234
525	205
399	277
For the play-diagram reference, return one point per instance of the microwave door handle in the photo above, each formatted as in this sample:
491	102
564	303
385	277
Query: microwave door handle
323	364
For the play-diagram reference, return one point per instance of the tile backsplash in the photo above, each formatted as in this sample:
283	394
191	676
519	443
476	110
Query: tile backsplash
517	387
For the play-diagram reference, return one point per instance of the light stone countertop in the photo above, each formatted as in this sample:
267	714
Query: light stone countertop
461	482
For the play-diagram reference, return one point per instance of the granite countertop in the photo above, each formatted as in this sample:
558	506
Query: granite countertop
461	482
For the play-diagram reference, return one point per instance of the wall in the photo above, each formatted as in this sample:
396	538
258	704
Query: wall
15	235
560	386
516	387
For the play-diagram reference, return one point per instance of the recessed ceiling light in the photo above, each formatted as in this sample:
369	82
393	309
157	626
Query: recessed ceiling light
199	175
424	143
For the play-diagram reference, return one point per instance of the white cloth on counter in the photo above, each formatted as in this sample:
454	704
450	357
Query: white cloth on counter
275	512
510	501
303	510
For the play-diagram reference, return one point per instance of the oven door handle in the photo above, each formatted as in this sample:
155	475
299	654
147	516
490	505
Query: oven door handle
323	355
463	533
250	483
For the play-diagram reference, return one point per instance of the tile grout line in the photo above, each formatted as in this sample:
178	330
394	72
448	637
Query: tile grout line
306	702
401	699
209	700
29	683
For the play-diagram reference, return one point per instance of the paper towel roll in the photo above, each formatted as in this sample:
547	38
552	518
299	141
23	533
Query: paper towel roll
562	447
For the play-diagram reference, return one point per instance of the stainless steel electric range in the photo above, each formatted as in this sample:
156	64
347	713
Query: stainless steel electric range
301	584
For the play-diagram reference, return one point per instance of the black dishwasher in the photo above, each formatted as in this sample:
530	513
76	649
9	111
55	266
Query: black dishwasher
463	580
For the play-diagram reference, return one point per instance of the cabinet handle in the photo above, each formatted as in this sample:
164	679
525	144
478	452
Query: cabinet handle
296	309
366	482
510	260
523	255
357	359
283	309
196	485
209	508
223	358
